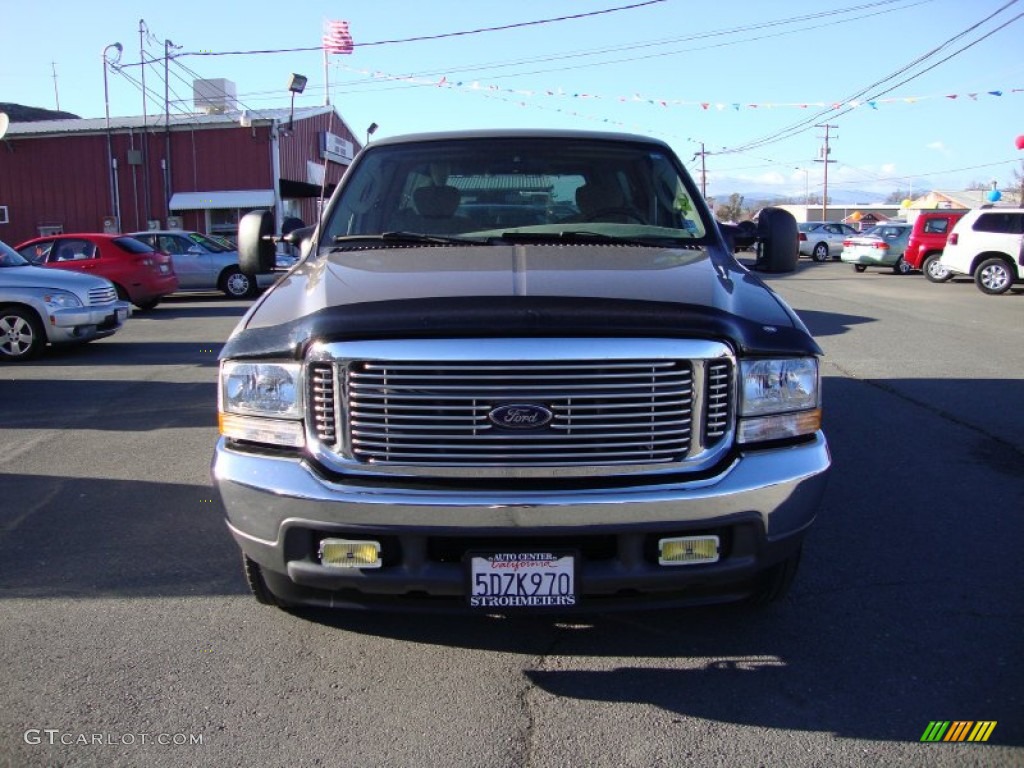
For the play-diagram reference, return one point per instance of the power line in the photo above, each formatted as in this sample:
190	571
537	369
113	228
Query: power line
806	124
440	36
477	68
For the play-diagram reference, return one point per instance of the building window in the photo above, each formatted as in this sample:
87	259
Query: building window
3	215
222	221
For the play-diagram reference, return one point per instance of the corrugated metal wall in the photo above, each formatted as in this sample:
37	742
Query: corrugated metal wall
62	180
304	144
49	182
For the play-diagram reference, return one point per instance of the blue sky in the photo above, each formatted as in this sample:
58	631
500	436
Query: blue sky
726	74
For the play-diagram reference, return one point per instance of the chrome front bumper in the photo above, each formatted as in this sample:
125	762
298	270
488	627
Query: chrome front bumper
278	508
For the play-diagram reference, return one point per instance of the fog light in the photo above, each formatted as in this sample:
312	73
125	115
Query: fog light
340	553
686	550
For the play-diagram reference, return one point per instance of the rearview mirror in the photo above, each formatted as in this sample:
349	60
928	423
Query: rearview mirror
256	250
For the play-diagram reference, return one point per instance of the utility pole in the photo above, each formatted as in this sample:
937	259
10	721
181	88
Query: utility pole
143	31
825	152
168	45
703	171
56	94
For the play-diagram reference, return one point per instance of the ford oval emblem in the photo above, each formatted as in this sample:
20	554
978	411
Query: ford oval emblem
520	416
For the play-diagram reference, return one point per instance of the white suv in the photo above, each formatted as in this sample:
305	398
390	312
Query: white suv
988	245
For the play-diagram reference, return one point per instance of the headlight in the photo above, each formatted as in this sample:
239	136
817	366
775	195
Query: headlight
262	402
61	300
779	399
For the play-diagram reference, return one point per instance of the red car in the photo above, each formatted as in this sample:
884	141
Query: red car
927	239
141	275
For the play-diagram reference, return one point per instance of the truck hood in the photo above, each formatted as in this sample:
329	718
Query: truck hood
509	289
601	272
43	278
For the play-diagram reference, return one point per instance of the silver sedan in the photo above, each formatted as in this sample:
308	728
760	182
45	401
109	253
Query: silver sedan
205	264
822	240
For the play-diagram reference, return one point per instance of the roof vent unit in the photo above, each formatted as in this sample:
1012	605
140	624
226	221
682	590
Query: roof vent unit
214	96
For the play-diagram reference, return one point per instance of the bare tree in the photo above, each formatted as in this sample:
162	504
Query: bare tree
731	210
1018	183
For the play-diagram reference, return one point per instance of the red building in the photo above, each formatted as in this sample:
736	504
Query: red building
195	172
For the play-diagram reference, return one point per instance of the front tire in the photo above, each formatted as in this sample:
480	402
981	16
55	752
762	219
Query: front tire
21	334
934	271
773	584
237	285
859	268
257	584
820	252
994	276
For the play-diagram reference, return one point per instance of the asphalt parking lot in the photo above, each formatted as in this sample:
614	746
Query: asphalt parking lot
129	637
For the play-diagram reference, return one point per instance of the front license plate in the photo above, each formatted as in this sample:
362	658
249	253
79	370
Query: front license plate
522	580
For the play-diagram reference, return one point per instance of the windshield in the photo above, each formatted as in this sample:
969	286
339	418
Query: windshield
209	244
10	257
489	187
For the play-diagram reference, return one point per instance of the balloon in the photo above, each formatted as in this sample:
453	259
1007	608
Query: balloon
907	202
856	216
1020	141
994	196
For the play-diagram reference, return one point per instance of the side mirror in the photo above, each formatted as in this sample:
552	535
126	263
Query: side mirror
256	252
778	241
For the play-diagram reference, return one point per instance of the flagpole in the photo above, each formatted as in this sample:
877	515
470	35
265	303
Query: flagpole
327	82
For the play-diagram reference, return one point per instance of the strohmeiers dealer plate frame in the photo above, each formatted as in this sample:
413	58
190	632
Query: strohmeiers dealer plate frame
505	580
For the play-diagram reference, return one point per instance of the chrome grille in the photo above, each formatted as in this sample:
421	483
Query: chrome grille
719	395
436	413
322	402
103	295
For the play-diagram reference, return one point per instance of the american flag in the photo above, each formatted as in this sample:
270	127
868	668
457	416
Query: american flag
337	38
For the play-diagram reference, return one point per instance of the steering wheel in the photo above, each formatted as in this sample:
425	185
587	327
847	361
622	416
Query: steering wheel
627	212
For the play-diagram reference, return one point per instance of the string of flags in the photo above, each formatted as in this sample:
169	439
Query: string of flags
338	40
705	106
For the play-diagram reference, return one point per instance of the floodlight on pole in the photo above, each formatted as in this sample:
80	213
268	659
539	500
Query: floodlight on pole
296	84
114	206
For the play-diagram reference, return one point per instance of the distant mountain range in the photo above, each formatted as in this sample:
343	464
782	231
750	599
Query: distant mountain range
836	197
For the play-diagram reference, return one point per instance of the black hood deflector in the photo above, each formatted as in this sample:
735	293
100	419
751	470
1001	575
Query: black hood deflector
518	316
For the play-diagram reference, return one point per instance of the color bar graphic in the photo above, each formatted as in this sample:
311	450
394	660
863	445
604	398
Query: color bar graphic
959	730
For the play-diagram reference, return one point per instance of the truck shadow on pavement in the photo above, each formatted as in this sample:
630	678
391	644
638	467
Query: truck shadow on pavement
81	537
831	323
114	352
142	406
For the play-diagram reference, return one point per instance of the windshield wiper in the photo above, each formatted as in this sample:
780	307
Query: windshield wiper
577	237
408	237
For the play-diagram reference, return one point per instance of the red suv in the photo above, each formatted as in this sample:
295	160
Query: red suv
141	275
927	239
